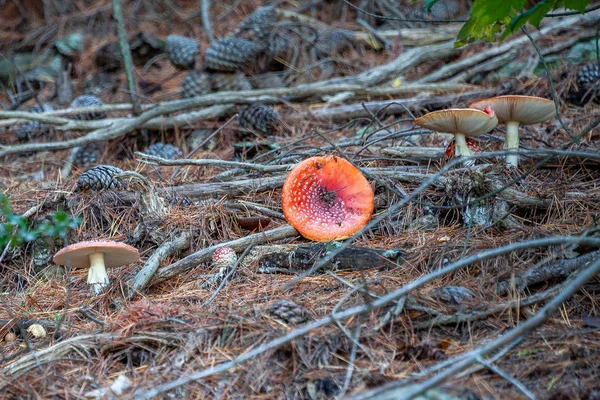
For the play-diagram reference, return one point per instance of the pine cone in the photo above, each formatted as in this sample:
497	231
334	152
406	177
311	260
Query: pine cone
588	86
268	81
260	23
288	312
333	42
199	137
164	150
224	81
180	201
231	54
281	45
181	51
32	129
258	117
87	100
87	156
100	177
588	76
195	83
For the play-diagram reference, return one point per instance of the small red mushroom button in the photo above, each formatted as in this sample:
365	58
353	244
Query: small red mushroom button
327	198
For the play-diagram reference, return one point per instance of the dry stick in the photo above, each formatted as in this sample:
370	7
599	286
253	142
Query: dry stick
141	279
555	270
126	54
193	260
506	376
460	317
141	394
413	390
82	344
212	135
205	162
272	95
205	14
396	106
109	129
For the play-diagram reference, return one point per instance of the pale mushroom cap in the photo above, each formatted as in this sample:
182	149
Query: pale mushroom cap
115	254
524	109
468	121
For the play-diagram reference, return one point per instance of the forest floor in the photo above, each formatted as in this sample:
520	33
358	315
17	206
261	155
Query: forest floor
359	103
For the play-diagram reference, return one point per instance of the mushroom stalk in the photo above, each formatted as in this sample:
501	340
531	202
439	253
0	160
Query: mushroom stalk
462	149
97	276
511	142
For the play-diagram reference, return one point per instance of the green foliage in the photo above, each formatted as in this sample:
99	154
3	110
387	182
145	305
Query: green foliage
492	17
16	230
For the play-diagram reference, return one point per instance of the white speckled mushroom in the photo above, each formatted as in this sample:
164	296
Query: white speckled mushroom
514	111
224	257
461	122
327	198
97	255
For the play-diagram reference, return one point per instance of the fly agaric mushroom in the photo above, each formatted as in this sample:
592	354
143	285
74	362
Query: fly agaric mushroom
327	198
224	257
97	255
514	111
451	149
461	122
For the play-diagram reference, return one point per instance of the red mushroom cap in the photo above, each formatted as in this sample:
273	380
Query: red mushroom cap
327	198
224	257
115	254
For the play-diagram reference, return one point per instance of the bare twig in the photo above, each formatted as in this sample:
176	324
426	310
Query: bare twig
141	279
205	14
204	255
126	55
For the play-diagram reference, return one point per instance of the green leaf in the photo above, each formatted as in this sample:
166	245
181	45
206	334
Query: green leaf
487	19
429	4
578	5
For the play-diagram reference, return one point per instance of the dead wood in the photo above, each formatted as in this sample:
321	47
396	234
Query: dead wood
412	153
165	250
391	107
201	256
547	273
298	258
82	345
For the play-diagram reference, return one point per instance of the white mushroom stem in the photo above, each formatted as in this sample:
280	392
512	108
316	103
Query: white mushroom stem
511	142
461	149
97	276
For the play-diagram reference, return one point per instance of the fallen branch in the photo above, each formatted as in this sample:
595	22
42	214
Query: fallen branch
204	255
81	345
173	246
546	273
297	258
390	107
462	316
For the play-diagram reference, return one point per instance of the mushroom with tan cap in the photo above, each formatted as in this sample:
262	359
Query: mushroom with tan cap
513	111
461	122
327	198
97	255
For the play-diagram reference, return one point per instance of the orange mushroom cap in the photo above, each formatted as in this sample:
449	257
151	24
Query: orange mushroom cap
327	198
